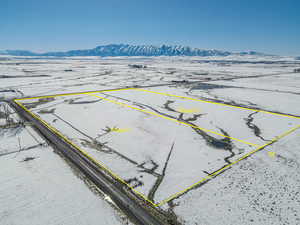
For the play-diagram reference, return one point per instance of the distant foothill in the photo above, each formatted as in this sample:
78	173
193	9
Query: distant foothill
133	50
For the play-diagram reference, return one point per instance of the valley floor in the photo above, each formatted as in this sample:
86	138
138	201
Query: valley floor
178	133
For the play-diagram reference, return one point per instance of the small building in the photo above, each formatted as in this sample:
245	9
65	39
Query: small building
297	70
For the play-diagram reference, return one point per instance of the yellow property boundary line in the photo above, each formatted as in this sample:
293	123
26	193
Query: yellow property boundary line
168	118
101	165
92	93
161	93
216	103
68	94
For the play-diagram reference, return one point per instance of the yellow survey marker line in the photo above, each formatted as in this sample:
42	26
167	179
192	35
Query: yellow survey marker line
63	137
171	119
216	103
227	166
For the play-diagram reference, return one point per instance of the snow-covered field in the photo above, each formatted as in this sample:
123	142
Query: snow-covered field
42	76
162	144
39	187
112	126
264	189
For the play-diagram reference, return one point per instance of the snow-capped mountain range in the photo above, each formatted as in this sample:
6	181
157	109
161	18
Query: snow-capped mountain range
132	50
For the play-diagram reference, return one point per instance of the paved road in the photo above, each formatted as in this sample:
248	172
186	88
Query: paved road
139	214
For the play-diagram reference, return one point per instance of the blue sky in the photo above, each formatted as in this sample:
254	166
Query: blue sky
271	26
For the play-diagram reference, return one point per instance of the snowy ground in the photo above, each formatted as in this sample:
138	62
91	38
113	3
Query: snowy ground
39	187
264	189
137	135
42	76
171	130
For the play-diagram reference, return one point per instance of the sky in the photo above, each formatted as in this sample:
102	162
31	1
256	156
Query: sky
270	26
